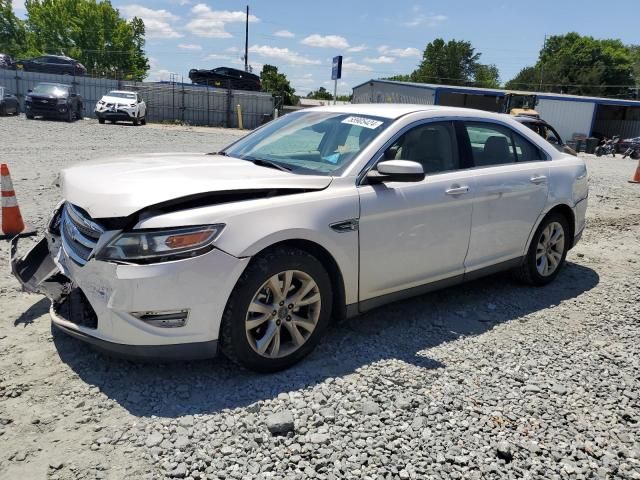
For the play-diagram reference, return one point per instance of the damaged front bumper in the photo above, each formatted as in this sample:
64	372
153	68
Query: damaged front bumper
109	305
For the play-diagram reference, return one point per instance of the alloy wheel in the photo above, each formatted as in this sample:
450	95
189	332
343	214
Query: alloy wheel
550	249
283	314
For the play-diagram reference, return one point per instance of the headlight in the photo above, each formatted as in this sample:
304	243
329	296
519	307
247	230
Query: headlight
146	246
28	98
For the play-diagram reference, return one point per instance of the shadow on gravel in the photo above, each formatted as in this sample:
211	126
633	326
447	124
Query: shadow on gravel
34	311
403	331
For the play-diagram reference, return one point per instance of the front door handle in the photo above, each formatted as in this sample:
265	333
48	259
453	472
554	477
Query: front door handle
538	179
457	190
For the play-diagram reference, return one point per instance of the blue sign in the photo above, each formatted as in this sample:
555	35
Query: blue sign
336	68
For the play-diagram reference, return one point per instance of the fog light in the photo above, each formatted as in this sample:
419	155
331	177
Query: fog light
164	319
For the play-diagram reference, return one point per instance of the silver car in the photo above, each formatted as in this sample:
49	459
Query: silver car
324	213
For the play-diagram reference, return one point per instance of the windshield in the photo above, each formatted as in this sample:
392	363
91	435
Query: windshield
127	95
310	142
48	89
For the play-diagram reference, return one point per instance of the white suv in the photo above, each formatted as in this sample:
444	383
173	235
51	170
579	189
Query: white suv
122	105
326	212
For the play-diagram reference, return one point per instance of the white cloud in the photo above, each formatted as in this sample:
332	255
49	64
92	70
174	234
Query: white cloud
399	52
209	23
308	75
18	6
429	20
232	50
282	54
355	67
380	59
358	48
158	75
217	56
326	41
189	46
284	34
157	23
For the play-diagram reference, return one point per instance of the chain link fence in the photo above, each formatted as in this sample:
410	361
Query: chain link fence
166	101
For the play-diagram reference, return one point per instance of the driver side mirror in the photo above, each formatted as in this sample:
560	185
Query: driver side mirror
396	171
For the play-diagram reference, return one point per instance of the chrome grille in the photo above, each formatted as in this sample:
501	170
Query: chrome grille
79	234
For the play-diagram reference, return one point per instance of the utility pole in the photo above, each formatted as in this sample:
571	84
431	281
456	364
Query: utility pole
544	45
246	43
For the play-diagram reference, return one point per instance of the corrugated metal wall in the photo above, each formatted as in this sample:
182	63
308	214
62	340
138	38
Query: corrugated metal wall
567	117
193	104
376	92
624	128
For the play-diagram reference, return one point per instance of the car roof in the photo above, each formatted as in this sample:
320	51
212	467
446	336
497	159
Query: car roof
121	91
64	57
397	110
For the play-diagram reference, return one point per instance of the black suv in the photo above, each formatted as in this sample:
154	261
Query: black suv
546	131
53	100
52	64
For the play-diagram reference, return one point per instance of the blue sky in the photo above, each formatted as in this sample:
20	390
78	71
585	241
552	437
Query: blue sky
377	38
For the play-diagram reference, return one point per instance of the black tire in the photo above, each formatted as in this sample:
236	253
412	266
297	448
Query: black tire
136	122
143	121
29	117
233	337
3	110
70	116
528	271
598	151
101	121
113	122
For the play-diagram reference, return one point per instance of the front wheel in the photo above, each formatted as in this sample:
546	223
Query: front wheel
278	311
547	251
598	151
101	121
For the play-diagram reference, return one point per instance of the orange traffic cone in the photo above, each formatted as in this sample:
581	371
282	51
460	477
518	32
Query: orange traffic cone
12	223
636	177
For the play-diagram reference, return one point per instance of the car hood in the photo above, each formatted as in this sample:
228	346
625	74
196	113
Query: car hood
122	186
119	100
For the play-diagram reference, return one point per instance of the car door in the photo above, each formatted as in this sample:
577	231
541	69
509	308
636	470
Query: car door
511	180
416	233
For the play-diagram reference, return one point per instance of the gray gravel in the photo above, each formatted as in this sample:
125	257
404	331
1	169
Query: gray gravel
489	380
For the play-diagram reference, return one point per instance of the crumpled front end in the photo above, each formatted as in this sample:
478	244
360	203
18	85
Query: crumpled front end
112	110
169	310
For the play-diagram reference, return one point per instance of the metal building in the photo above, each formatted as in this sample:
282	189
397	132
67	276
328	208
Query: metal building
569	114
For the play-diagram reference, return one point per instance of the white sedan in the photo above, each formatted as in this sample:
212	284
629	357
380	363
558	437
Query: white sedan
324	213
122	105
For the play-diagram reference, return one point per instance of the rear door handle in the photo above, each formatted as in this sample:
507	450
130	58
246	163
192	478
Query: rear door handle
456	190
538	179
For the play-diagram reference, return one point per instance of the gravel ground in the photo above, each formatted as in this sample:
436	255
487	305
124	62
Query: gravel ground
487	380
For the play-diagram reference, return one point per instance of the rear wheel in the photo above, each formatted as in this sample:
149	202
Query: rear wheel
278	311
547	251
101	121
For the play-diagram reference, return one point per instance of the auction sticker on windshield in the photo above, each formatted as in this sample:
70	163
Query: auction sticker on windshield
363	122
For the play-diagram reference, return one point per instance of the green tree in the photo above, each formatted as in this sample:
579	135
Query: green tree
527	79
12	32
90	31
452	63
580	65
320	94
277	83
486	76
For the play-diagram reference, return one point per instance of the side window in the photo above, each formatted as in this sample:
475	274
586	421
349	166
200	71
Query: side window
490	144
433	145
526	151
